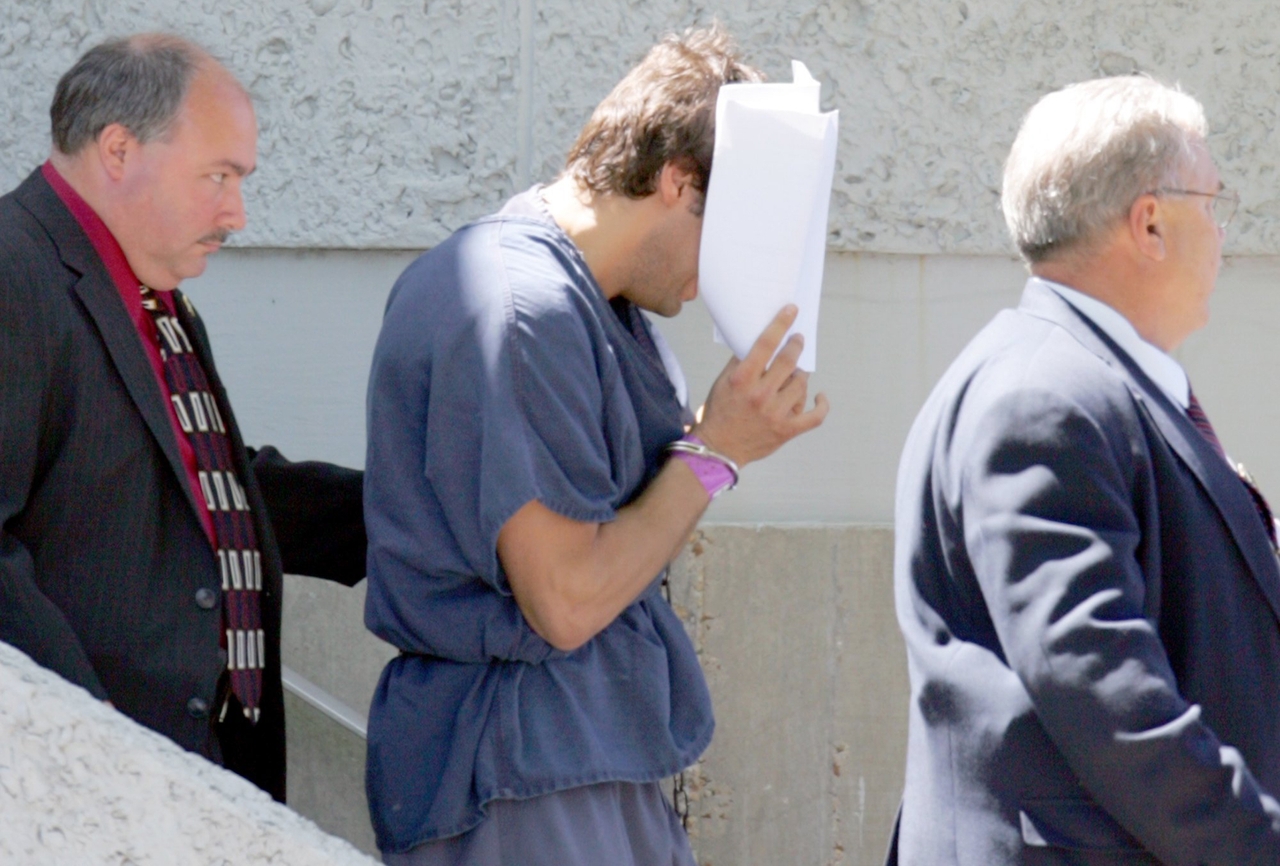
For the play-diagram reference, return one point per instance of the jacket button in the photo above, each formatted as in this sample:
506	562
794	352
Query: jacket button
206	598
198	708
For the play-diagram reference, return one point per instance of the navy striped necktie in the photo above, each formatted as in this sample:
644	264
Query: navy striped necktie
235	539
1196	413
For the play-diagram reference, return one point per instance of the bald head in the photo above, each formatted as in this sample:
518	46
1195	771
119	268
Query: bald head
137	81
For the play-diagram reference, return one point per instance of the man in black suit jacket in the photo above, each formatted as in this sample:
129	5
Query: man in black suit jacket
1089	592
108	569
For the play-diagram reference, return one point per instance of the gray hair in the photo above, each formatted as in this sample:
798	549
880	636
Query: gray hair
1085	153
138	82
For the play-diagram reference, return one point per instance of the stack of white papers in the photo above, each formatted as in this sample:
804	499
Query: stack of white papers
764	231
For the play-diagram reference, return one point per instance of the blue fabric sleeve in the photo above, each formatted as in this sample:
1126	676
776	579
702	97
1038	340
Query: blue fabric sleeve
517	409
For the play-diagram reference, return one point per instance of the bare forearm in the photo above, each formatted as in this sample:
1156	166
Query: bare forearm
571	579
605	567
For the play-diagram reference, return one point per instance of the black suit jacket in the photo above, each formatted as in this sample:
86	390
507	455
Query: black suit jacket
1091	608
102	552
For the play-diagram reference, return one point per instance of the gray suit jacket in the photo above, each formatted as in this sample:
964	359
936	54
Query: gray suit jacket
1091	608
106	575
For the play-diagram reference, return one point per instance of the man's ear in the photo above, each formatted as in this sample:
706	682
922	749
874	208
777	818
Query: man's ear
1147	227
115	147
675	184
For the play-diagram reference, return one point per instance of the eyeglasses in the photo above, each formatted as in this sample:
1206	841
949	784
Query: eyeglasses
1225	202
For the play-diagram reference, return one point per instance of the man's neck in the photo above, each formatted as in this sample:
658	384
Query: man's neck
80	173
1110	276
605	228
78	176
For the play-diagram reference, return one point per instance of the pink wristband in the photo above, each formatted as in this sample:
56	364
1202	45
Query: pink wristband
716	472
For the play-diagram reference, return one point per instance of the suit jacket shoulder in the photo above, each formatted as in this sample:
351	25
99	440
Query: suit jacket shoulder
1077	573
31	267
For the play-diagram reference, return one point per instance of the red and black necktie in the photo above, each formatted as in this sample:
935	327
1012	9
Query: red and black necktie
234	538
1196	413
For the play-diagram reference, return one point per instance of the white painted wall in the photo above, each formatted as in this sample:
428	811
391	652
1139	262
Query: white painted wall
294	332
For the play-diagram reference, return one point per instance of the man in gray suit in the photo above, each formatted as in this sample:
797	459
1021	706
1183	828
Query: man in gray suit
1088	590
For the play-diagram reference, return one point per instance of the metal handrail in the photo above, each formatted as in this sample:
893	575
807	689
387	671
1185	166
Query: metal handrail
326	703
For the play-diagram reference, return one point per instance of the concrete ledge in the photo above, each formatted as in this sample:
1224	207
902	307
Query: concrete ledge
81	783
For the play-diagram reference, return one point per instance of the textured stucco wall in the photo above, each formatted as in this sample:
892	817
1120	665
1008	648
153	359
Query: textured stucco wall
82	784
388	123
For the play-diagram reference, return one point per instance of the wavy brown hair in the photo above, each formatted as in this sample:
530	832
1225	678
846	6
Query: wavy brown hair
663	111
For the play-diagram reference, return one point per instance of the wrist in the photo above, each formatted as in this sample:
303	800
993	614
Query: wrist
716	472
711	438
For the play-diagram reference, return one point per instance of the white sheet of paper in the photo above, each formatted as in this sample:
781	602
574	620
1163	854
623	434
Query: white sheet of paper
764	230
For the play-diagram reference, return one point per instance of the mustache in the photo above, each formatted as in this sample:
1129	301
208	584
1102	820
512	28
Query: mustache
217	236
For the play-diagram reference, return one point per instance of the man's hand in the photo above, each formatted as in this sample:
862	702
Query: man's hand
756	406
571	579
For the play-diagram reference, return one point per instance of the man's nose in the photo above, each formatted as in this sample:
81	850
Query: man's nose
234	214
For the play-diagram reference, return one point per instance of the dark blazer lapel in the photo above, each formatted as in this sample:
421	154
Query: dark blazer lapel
1224	488
102	301
1227	492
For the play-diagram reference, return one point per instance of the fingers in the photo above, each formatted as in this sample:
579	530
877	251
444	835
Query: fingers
767	343
792	400
807	421
793	392
758	402
784	365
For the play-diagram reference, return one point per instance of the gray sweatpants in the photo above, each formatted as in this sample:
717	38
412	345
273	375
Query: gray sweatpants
609	824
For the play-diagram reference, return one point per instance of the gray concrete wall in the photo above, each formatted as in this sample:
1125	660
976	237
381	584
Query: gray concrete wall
796	632
326	774
324	640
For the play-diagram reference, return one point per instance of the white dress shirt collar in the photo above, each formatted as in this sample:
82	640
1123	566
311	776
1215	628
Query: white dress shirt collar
1159	367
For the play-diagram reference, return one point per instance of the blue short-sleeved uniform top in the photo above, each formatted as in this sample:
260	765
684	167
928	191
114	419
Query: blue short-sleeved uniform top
502	375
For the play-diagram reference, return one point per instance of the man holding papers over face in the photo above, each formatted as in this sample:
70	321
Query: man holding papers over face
530	478
1088	590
